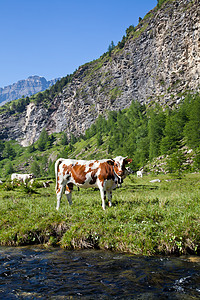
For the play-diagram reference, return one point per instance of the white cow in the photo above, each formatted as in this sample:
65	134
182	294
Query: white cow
140	173
22	177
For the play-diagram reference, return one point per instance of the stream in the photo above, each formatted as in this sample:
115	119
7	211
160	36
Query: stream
54	273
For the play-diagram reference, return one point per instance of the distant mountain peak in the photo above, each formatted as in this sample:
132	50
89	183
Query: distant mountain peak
25	87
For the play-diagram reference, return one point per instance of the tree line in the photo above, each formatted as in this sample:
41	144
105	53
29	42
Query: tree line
35	155
140	132
144	133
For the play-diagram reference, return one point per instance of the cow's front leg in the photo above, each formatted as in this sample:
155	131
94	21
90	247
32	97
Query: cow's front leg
103	197
109	195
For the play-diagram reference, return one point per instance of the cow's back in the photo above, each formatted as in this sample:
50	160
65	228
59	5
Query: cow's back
80	172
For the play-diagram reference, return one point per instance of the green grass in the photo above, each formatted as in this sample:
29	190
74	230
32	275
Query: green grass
146	218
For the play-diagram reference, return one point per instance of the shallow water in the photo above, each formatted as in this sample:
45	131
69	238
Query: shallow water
36	273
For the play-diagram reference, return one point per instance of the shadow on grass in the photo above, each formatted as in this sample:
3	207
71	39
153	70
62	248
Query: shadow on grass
138	187
125	188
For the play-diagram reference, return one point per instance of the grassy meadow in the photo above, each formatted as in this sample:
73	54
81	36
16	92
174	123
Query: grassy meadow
145	219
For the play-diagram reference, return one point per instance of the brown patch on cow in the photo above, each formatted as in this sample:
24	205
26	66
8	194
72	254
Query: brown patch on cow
69	187
106	172
65	169
94	177
79	174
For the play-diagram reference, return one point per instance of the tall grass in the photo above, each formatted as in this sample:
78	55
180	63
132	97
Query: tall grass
146	218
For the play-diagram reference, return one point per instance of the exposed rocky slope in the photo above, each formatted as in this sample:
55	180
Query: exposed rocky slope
27	87
160	61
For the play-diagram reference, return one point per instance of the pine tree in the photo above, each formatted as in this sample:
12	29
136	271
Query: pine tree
110	48
173	132
155	131
99	139
35	169
8	151
192	128
64	140
175	163
42	141
51	169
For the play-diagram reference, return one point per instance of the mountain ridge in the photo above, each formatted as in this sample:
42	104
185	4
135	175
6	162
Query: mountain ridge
25	87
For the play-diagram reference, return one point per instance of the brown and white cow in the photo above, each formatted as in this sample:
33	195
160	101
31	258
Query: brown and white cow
104	174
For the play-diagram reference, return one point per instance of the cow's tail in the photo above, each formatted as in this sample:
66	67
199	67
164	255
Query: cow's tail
57	163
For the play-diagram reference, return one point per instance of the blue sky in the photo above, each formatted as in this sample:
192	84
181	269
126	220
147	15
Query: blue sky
52	38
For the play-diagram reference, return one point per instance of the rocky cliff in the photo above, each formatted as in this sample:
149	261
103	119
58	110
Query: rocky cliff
159	60
27	87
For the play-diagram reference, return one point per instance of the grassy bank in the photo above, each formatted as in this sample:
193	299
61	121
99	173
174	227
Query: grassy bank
146	218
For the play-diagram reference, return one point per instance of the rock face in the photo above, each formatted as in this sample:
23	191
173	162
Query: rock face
28	87
159	62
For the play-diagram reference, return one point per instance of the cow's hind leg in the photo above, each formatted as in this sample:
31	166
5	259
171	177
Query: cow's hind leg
103	197
109	195
68	192
59	191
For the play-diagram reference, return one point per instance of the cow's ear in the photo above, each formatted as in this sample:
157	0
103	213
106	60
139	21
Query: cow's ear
110	162
128	161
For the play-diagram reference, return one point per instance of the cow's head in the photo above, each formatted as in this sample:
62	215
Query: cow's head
119	164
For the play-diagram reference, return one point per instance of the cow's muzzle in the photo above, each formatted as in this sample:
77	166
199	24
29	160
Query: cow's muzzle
120	173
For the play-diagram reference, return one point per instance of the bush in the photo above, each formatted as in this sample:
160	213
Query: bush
9	169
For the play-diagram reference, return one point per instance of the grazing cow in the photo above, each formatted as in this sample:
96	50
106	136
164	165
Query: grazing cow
140	173
22	177
128	171
104	174
47	183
